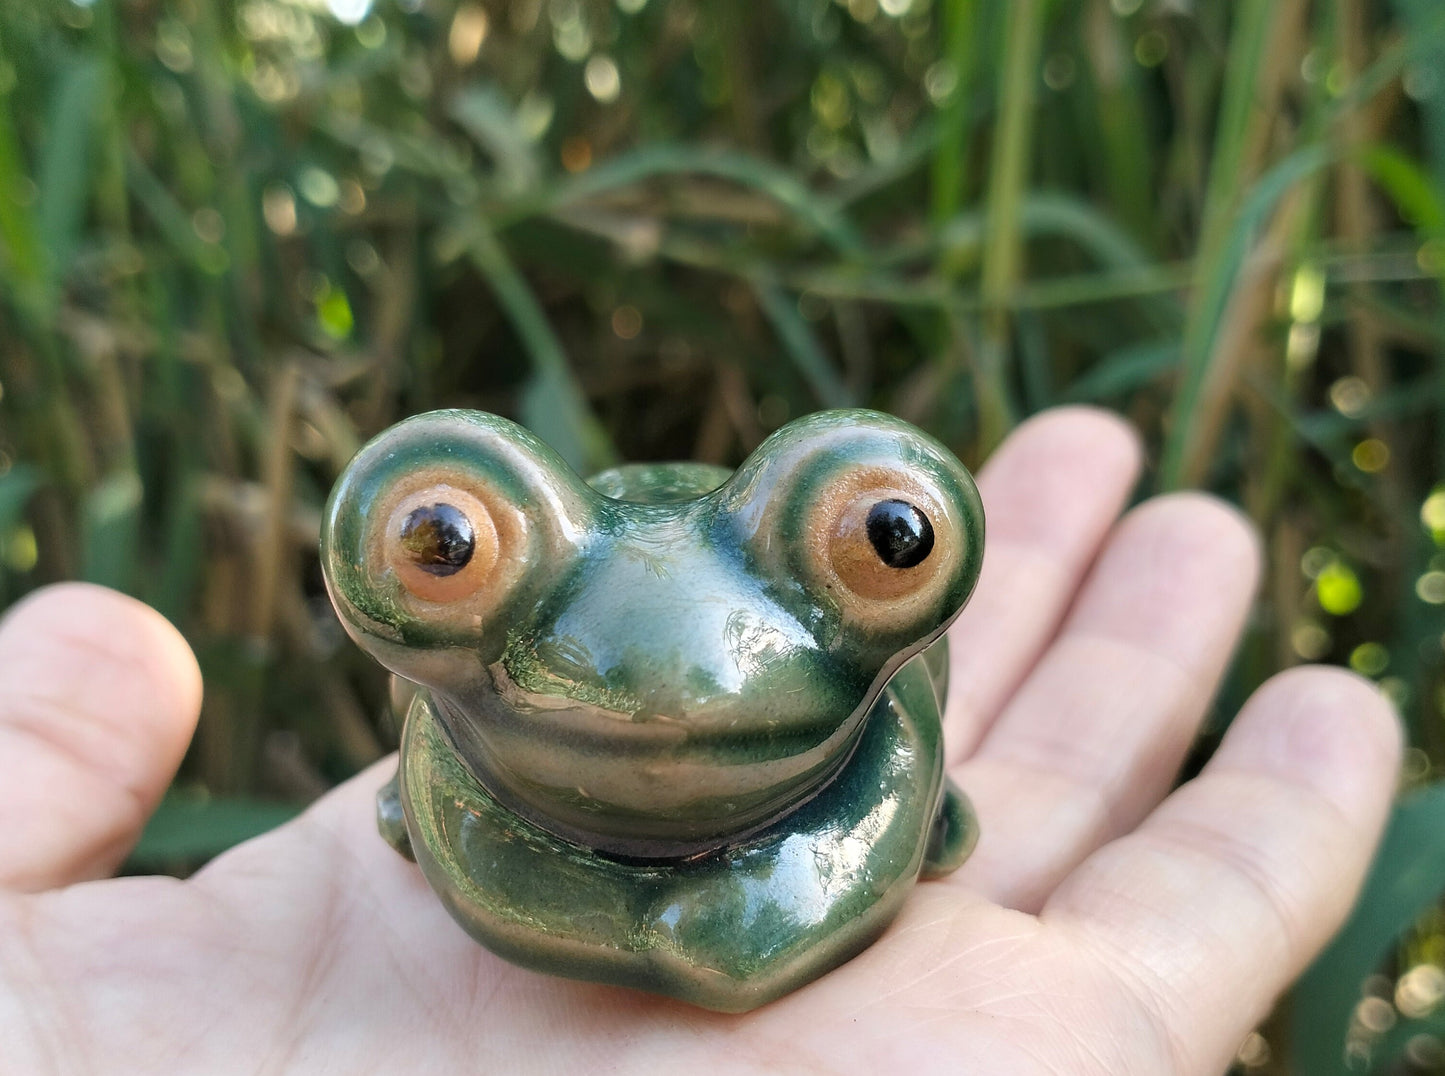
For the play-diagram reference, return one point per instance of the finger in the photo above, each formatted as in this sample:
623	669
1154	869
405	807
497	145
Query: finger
98	700
1236	881
1050	494
1093	738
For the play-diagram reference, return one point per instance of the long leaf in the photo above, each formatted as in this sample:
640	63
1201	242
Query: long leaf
64	177
553	405
17	485
801	345
805	204
1208	308
1407	878
112	530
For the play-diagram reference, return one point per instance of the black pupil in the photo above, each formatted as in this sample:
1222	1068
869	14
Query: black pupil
438	538
900	533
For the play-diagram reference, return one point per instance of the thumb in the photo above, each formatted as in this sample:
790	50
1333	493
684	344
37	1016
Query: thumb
99	695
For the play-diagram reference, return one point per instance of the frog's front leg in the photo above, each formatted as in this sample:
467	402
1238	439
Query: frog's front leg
391	819
953	835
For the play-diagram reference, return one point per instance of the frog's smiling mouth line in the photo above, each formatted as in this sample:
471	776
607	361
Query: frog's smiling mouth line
653	786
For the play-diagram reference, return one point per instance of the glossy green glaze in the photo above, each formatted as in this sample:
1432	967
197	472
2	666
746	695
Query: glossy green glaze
677	728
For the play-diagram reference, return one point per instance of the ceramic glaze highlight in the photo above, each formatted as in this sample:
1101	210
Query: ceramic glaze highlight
677	728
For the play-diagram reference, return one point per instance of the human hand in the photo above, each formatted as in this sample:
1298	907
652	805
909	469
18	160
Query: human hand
1095	930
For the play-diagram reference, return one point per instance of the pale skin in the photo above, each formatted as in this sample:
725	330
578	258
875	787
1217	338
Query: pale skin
1106	925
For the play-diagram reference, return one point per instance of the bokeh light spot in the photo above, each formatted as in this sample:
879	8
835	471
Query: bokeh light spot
1310	640
864	11
278	207
1254	1052
18	549
1431	257
571	37
1430	588
371	32
1349	396
940	81
576	154
1370	659
1338	589
1371	455
1432	514
627	322
1060	71
469	30
333	311
1307	296
1151	48
1315	560
209	225
604	81
319	187
350	12
1419	991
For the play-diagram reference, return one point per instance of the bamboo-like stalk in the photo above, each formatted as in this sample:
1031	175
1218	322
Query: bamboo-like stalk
1003	246
272	550
950	156
1261	54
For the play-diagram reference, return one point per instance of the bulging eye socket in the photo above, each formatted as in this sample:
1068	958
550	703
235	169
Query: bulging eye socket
442	543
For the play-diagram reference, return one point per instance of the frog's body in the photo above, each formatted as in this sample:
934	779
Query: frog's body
690	741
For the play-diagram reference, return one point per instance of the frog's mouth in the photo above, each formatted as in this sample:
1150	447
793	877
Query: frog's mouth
634	785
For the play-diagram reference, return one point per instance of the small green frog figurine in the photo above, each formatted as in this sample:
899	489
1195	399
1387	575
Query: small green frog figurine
675	728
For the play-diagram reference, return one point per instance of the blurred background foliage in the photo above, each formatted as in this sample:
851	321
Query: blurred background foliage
239	237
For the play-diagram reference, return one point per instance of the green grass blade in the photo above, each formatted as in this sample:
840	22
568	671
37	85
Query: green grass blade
24	257
487	117
1424	24
111	531
1003	249
553	405
64	176
818	213
1122	372
949	166
1408	877
801	345
1207	308
1008	173
17	486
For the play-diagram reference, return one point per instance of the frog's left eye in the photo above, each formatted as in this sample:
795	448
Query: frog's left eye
883	544
441	543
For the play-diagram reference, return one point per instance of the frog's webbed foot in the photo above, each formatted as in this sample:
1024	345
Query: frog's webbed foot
953	835
391	820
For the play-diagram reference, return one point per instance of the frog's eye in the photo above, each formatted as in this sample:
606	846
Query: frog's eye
883	545
442	543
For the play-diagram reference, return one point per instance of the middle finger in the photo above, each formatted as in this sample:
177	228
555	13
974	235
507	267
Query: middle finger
1094	736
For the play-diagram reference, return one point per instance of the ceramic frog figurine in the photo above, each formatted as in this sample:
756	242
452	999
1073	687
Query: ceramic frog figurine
674	728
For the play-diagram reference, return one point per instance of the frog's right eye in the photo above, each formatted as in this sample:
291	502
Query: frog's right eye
442	543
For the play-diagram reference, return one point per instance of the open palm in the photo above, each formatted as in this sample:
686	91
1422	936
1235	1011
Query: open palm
1095	930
